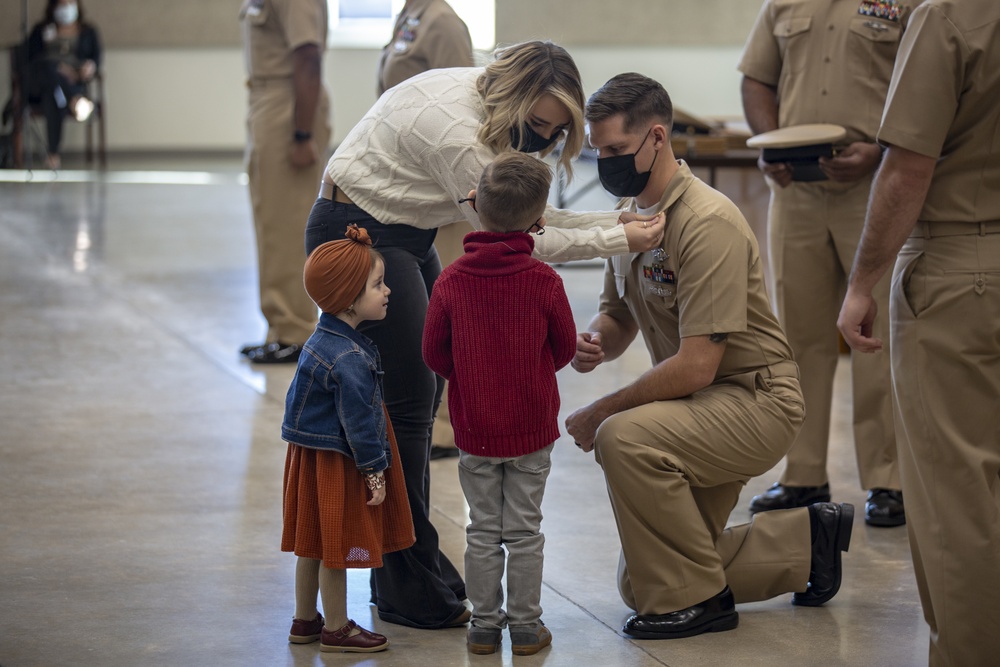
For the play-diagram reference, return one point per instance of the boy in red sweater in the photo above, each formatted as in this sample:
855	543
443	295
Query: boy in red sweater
498	328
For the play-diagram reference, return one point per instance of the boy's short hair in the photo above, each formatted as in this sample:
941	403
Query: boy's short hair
512	192
637	98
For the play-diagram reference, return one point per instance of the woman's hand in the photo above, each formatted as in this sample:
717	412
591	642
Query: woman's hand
643	232
68	72
87	70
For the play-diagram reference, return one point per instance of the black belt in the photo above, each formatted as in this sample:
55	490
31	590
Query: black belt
333	193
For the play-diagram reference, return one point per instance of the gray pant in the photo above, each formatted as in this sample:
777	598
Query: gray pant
505	498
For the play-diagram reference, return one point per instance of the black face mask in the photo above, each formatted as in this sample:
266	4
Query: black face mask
620	177
527	140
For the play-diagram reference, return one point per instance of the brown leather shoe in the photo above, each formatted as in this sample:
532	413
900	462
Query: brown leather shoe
306	632
342	640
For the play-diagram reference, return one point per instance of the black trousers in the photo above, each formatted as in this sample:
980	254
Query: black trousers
52	92
419	586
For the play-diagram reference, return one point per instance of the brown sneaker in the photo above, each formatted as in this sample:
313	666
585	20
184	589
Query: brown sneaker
306	632
527	641
483	641
342	640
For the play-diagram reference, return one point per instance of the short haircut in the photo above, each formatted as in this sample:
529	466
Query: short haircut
512	192
637	98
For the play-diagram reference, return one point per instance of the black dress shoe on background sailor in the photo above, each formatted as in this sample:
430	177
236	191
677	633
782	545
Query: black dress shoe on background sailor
781	497
272	353
830	525
715	614
884	508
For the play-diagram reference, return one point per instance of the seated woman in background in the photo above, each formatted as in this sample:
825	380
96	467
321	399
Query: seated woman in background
63	56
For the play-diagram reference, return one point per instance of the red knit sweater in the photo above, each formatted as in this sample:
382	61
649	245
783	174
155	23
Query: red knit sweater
498	328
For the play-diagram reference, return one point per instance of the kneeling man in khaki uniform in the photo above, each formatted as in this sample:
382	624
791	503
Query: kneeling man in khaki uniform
721	404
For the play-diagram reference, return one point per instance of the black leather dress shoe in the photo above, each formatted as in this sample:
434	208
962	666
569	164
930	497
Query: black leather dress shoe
831	533
781	497
884	508
715	614
272	353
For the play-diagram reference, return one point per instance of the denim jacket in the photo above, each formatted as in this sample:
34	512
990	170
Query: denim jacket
335	400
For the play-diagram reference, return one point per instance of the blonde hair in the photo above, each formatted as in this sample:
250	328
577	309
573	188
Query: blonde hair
512	192
518	77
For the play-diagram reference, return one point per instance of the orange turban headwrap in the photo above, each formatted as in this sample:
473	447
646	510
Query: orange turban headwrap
336	272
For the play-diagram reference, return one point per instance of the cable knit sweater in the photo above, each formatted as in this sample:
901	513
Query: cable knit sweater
498	328
415	154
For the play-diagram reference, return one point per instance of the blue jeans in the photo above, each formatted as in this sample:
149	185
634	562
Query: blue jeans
505	498
419	586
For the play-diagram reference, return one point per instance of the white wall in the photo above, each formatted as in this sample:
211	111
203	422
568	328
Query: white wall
701	80
196	100
190	100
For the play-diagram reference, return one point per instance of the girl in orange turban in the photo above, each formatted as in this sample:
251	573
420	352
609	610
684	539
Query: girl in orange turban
345	501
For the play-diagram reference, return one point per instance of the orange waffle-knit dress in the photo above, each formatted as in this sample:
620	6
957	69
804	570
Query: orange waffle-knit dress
326	515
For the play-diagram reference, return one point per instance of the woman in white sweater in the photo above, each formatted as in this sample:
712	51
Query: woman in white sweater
399	174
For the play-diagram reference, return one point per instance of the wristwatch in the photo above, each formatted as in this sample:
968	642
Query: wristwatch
302	135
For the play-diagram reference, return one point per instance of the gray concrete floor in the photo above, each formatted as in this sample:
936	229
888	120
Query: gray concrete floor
141	462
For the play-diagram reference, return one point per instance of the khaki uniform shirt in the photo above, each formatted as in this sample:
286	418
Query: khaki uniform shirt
944	102
428	35
273	29
830	60
706	278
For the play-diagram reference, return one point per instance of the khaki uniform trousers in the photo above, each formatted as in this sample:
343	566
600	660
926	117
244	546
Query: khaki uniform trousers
282	197
674	471
448	243
813	233
945	319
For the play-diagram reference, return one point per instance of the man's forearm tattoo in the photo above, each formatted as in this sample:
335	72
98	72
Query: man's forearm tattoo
718	337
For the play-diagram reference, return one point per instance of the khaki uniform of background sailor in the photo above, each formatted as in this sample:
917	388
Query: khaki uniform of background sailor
429	35
826	61
288	133
720	405
940	184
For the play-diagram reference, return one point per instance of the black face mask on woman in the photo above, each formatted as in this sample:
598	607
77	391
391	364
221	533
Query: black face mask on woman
620	177
527	140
